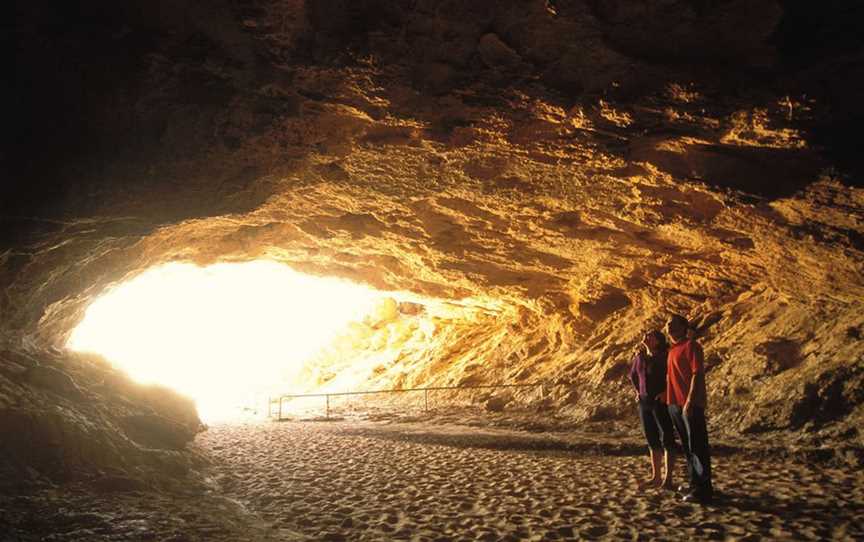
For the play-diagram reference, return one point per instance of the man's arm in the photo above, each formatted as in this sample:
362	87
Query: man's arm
694	380
697	367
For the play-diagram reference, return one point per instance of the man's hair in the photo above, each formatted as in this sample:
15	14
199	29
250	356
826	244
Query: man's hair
679	321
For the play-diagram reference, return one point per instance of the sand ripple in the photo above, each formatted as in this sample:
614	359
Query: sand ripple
331	481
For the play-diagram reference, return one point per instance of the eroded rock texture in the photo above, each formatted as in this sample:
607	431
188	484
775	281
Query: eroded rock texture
564	174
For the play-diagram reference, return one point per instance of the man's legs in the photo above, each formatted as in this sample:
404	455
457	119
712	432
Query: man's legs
677	416
701	453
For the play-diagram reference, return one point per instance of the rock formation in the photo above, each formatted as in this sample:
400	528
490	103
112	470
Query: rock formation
562	174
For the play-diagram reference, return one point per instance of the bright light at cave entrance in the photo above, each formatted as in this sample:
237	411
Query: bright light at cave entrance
220	333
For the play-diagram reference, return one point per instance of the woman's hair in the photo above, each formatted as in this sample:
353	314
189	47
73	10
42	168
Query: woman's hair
661	338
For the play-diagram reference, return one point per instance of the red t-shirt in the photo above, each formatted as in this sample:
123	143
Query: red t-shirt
685	359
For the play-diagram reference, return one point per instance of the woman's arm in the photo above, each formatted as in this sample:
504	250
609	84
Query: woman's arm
634	372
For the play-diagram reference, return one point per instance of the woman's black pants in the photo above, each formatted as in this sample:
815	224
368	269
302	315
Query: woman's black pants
656	424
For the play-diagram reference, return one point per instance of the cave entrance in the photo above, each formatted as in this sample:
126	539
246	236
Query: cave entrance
222	334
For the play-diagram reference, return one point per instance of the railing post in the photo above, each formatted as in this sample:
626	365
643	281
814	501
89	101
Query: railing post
280	409
426	401
328	406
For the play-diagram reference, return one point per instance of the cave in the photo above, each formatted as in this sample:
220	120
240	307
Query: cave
453	194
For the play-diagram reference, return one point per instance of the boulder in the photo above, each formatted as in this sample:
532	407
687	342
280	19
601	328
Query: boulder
497	54
153	431
55	381
497	403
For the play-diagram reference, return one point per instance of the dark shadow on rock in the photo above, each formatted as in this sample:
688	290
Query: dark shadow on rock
56	381
780	354
153	431
610	301
769	173
832	396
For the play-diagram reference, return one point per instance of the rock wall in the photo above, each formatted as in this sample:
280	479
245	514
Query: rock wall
71	417
569	172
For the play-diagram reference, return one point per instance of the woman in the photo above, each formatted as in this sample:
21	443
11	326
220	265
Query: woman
648	374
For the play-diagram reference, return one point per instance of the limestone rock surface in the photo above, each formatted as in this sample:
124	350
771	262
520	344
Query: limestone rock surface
559	176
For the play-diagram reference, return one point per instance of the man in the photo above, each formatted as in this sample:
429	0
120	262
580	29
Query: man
686	397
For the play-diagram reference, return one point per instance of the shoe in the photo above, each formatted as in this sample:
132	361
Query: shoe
684	488
697	498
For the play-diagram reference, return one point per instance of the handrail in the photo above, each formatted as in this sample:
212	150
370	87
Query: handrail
426	390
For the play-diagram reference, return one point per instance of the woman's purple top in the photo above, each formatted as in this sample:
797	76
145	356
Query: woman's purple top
648	373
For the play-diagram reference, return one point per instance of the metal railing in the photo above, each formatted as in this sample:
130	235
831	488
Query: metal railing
282	398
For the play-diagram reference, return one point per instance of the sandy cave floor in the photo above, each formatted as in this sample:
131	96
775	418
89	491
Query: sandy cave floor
365	481
373	480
